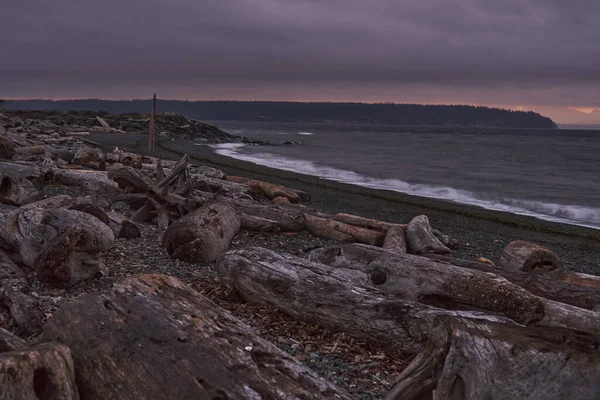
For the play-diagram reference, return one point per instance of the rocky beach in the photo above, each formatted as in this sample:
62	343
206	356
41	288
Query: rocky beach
290	285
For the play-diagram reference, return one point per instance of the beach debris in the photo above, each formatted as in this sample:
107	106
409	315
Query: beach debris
421	238
43	371
530	257
154	325
395	240
485	260
202	235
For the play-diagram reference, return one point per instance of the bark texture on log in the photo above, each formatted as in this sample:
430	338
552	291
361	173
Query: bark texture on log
335	298
63	246
421	239
395	240
451	287
564	291
91	209
530	257
474	360
202	235
152	337
44	371
123	227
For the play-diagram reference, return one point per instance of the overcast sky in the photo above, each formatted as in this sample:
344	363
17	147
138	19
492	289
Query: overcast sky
536	54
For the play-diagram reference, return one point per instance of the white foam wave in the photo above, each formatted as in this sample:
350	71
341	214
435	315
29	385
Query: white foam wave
222	146
570	214
306	133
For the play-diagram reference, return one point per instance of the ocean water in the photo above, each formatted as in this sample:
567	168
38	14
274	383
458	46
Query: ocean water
549	174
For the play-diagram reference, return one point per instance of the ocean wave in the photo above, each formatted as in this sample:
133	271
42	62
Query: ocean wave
305	133
570	214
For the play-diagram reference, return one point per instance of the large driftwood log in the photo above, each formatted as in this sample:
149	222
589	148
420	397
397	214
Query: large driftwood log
33	171
17	191
335	298
421	239
202	235
447	286
472	360
152	337
63	246
7	148
530	257
222	187
564	291
94	181
44	371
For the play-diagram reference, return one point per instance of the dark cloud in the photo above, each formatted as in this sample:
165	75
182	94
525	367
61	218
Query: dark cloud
494	51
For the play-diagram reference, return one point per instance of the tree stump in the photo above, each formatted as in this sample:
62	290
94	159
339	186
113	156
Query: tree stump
395	240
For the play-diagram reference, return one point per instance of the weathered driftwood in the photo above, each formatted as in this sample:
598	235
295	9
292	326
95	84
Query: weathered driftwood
89	157
335	298
262	217
131	179
31	150
202	235
123	227
91	209
446	240
395	240
421	239
222	187
13	288
44	371
10	342
271	190
94	181
580	279
207	171
152	337
63	246
17	191
33	171
281	200
330	229
549	288
451	287
472	360
530	257
365	222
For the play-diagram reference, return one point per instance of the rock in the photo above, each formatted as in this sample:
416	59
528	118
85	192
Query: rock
152	337
202	235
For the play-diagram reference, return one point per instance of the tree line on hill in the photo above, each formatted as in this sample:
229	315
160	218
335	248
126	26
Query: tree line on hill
315	112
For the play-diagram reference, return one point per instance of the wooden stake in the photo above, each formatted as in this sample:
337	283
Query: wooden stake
152	129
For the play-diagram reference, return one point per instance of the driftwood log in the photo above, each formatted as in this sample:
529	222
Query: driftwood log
450	287
335	230
94	181
202	235
472	360
262	217
44	371
123	227
365	222
62	246
271	190
10	341
395	240
421	239
152	337
530	257
561	290
339	299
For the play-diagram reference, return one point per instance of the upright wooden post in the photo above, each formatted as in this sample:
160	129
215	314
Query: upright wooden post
152	128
